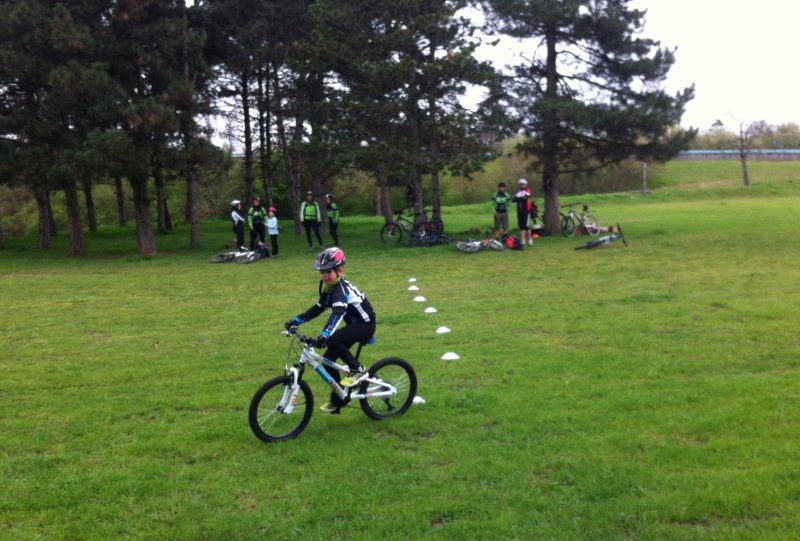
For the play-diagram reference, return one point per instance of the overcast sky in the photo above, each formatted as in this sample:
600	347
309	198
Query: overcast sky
741	57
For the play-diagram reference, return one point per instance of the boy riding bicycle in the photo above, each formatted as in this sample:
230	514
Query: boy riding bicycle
348	304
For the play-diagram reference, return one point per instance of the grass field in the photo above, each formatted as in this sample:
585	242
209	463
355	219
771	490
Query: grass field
649	392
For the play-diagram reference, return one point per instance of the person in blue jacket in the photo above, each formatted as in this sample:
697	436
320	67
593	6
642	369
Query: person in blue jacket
349	306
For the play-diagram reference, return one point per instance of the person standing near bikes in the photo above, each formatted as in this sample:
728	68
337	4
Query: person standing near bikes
348	304
333	218
256	220
500	202
238	223
272	230
523	199
311	217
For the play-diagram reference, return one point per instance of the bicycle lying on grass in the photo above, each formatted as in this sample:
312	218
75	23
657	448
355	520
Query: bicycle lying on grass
471	246
282	407
572	219
606	239
235	256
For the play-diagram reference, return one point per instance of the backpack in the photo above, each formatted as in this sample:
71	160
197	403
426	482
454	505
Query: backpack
512	242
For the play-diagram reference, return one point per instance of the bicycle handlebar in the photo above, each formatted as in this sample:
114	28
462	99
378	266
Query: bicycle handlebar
309	340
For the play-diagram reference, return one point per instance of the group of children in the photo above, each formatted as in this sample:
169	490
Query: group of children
526	211
261	222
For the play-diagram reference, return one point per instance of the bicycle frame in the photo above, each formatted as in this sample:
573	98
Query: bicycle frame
377	388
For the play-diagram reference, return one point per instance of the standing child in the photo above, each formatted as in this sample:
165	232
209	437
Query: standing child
238	223
348	304
333	218
256	219
523	200
500	202
272	229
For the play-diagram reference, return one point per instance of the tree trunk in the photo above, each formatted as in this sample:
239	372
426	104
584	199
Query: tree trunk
644	177
191	208
122	212
91	210
265	141
550	126
290	159
144	219
162	214
745	174
384	201
77	245
43	204
436	202
51	217
249	177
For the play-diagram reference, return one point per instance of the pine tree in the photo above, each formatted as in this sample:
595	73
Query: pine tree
590	94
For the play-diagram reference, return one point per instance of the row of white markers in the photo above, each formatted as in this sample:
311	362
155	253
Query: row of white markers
449	356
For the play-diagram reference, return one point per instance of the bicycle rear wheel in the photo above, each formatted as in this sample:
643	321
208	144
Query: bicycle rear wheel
591	225
567	226
391	233
267	416
398	373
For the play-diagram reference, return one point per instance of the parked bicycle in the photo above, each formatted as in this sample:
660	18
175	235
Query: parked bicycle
571	219
392	233
605	239
282	407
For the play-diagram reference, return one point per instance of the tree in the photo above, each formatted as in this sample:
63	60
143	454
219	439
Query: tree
588	94
395	72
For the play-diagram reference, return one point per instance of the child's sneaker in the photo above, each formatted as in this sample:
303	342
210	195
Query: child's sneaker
353	378
329	407
530	242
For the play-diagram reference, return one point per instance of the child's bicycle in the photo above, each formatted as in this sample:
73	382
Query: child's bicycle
282	407
606	239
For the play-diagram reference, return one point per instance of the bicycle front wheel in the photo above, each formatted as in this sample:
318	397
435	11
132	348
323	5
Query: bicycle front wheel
391	233
591	225
469	246
399	374
223	258
568	226
268	418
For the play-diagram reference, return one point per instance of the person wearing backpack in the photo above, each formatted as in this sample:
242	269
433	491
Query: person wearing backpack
500	202
311	217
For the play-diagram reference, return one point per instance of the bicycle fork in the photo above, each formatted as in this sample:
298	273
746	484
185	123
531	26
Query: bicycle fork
289	399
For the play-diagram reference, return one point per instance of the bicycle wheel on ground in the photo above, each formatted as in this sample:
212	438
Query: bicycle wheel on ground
223	258
398	373
567	226
591	225
248	257
268	419
469	246
391	233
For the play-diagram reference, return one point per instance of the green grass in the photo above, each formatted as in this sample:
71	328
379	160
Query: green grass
648	392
